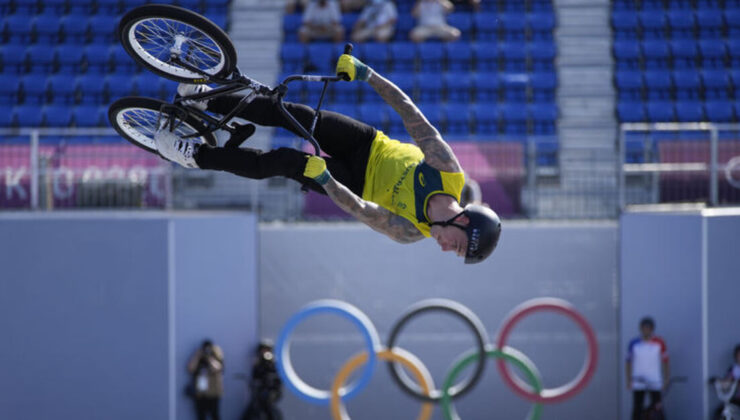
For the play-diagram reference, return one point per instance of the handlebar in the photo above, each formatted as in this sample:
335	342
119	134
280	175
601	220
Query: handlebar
347	50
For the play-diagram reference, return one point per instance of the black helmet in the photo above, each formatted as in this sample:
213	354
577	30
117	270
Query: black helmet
483	231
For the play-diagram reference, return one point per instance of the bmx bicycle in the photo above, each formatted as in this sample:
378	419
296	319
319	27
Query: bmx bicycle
726	390
186	47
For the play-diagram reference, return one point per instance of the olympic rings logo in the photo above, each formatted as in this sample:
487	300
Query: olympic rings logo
423	387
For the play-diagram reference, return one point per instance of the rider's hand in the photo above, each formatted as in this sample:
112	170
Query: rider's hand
316	169
354	68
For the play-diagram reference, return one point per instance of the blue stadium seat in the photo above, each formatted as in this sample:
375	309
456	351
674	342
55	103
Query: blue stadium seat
194	5
70	58
403	56
541	6
429	86
719	111
91	88
541	26
405	24
688	84
544	117
463	22
119	85
9	84
130	4
712	54
710	23
17	29
348	21
34	89
96	57
293	56
62	88
682	23
348	92
656	54
368	94
148	84
514	87
624	5
732	17
458	86
28	116
122	62
716	84
47	28
542	55
653	23
486	87
459	56
515	26
652	5
543	86
13	58
690	111
404	80
457	118
376	55
74	28
735	77
513	6
486	26
486	56
627	54
395	125
685	53
629	111
625	25
431	56
313	90
103	28
629	84
659	84
26	7
514	118
373	114
514	56
220	20
6	114
41	59
660	111
56	115
486	116
433	112
680	5
88	116
87	7
733	49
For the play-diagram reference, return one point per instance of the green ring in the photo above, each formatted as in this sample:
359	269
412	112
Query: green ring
508	353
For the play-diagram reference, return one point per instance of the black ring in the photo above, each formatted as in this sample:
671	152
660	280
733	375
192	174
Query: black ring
475	325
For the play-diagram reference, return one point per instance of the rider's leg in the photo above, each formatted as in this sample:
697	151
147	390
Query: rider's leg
638	399
255	164
338	135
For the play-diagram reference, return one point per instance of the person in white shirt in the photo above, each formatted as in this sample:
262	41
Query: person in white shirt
377	21
321	20
432	21
647	367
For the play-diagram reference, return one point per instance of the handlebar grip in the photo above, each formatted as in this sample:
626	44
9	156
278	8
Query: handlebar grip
348	47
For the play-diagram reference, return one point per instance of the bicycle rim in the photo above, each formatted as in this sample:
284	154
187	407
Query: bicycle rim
154	39
139	124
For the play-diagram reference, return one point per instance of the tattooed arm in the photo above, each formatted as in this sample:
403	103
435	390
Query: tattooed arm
437	153
371	214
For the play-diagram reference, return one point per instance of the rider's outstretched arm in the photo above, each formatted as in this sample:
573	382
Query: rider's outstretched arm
369	213
437	152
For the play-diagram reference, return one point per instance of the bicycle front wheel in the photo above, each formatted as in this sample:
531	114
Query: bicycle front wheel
162	37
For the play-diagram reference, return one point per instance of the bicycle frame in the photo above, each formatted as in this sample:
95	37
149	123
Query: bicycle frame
240	82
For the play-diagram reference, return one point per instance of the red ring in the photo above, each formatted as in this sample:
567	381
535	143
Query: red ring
551	395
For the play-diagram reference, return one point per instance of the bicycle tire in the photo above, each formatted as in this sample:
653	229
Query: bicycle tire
150	14
142	105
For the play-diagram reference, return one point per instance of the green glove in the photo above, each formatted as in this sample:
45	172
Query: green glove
316	169
353	68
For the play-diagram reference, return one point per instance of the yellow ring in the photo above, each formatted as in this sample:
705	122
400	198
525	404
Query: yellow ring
338	411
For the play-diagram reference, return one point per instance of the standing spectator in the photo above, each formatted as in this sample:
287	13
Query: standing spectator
207	370
431	16
378	21
321	20
733	374
265	386
352	5
292	6
647	367
474	4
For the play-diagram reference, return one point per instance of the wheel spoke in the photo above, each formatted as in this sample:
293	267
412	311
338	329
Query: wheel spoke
141	125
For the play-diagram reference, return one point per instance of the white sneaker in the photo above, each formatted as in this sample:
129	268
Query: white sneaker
185	89
175	149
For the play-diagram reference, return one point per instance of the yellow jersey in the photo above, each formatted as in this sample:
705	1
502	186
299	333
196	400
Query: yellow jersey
398	179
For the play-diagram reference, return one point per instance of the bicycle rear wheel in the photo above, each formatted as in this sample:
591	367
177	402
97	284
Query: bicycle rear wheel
135	119
157	36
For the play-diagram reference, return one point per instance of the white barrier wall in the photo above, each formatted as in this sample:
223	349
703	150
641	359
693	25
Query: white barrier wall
682	269
99	312
573	261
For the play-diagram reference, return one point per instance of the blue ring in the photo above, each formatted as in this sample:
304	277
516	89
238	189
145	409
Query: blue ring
282	350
